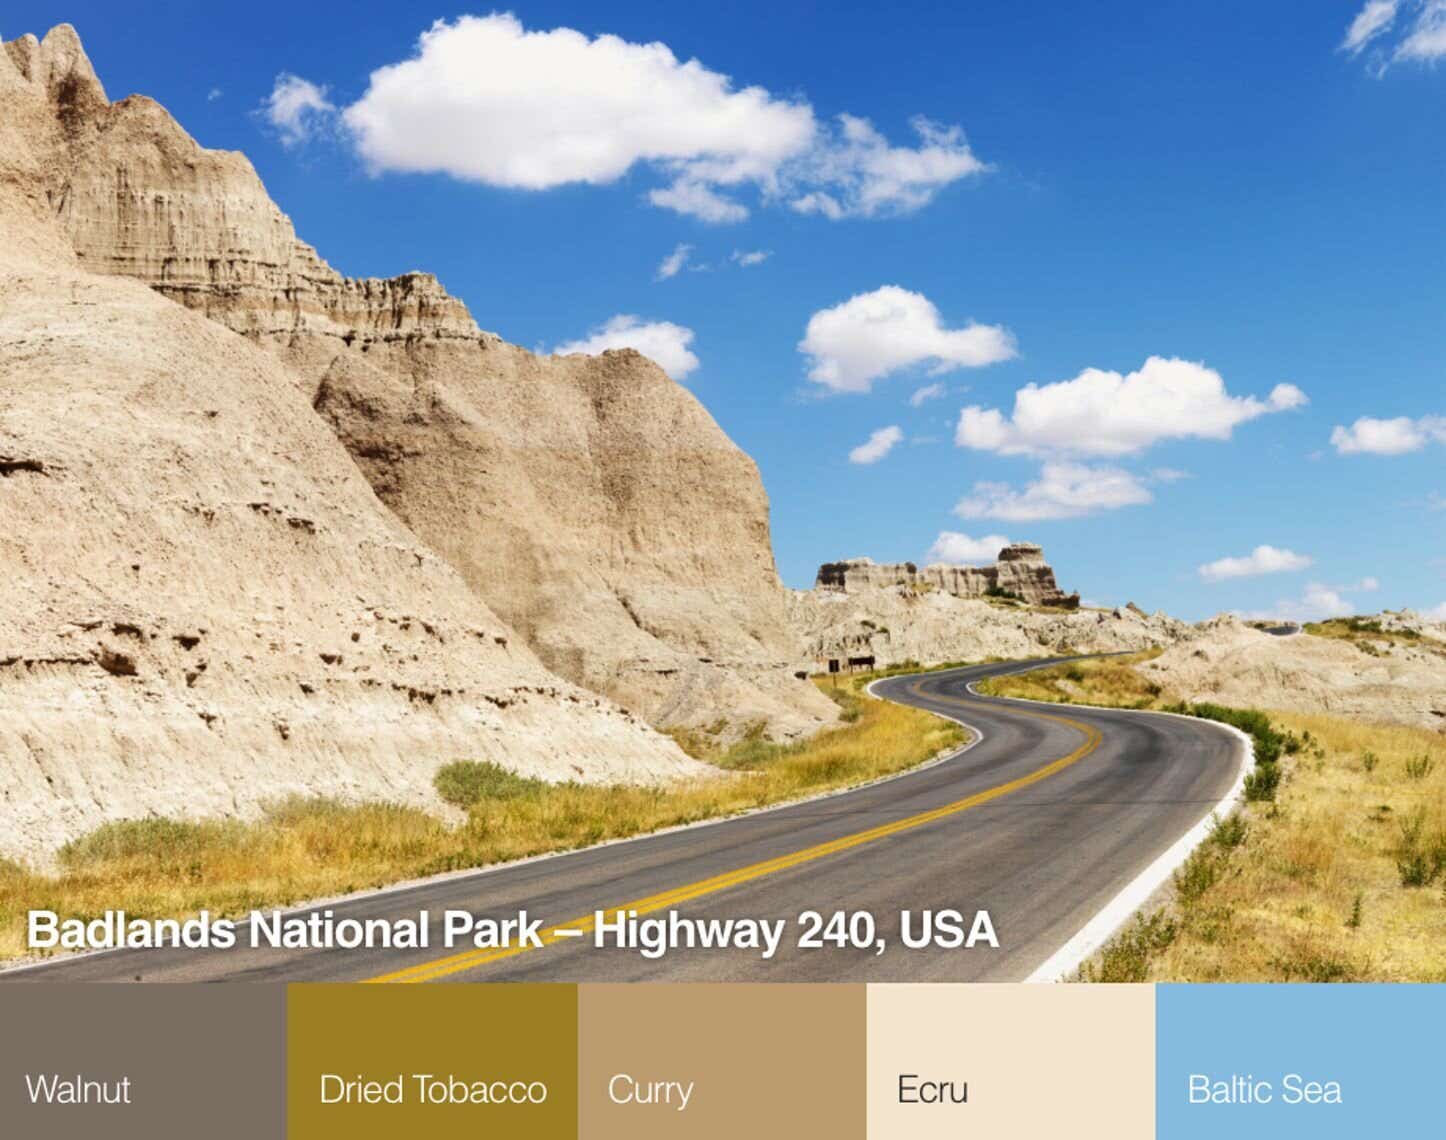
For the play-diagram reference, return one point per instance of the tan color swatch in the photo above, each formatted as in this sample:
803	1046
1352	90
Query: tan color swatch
1037	1061
749	1060
381	1062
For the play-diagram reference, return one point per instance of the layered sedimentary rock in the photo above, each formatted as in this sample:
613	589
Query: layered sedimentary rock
1228	661
591	502
894	624
1020	572
206	606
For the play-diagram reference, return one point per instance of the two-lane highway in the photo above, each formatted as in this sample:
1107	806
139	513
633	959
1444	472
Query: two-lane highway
1041	820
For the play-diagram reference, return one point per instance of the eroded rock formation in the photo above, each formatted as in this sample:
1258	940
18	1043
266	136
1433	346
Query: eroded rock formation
205	605
590	501
1021	572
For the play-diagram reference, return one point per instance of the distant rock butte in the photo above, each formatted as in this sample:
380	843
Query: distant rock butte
1020	572
590	501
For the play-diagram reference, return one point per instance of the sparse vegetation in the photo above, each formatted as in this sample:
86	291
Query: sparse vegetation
1370	635
1329	874
1111	681
1127	957
312	848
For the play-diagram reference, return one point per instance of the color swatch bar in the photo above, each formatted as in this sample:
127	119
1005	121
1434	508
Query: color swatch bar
645	1061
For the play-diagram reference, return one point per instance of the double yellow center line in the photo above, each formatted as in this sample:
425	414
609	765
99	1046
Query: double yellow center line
582	927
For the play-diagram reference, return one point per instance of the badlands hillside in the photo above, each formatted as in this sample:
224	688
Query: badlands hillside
896	612
1386	667
207	605
591	502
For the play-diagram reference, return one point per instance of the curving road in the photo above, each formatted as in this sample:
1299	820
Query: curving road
1041	820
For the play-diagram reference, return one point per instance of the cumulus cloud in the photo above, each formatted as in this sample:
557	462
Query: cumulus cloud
1109	414
1261	560
1437	613
1062	491
878	445
484	99
1419	28
747	258
874	334
961	550
297	108
674	262
1370	436
928	392
663	342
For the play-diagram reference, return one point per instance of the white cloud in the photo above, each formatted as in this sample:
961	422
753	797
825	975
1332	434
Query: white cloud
1105	413
1062	491
1261	560
878	445
926	393
1388	437
1426	41
961	550
297	108
750	257
855	173
1317	602
214	94
486	100
1168	475
675	261
1365	585
1438	613
873	334
698	200
665	343
1376	17
1420	26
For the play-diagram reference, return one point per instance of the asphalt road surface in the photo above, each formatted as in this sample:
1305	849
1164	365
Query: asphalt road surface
1040	821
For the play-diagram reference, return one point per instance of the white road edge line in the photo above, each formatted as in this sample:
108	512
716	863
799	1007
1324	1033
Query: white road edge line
1114	914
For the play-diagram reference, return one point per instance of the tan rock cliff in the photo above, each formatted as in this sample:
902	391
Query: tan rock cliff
591	502
205	606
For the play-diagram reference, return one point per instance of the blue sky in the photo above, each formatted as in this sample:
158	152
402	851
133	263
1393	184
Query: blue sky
1250	193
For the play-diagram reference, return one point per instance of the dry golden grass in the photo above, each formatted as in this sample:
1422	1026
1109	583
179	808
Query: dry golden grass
1370	637
308	849
1323	886
1316	891
1111	681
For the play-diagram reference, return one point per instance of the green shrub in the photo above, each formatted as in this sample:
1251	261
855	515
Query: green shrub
1369	762
1127	956
1420	858
154	839
1229	832
1197	875
1261	784
466	782
1419	767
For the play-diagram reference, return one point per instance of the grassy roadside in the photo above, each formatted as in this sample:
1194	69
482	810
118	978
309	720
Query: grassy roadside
305	849
1337	873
